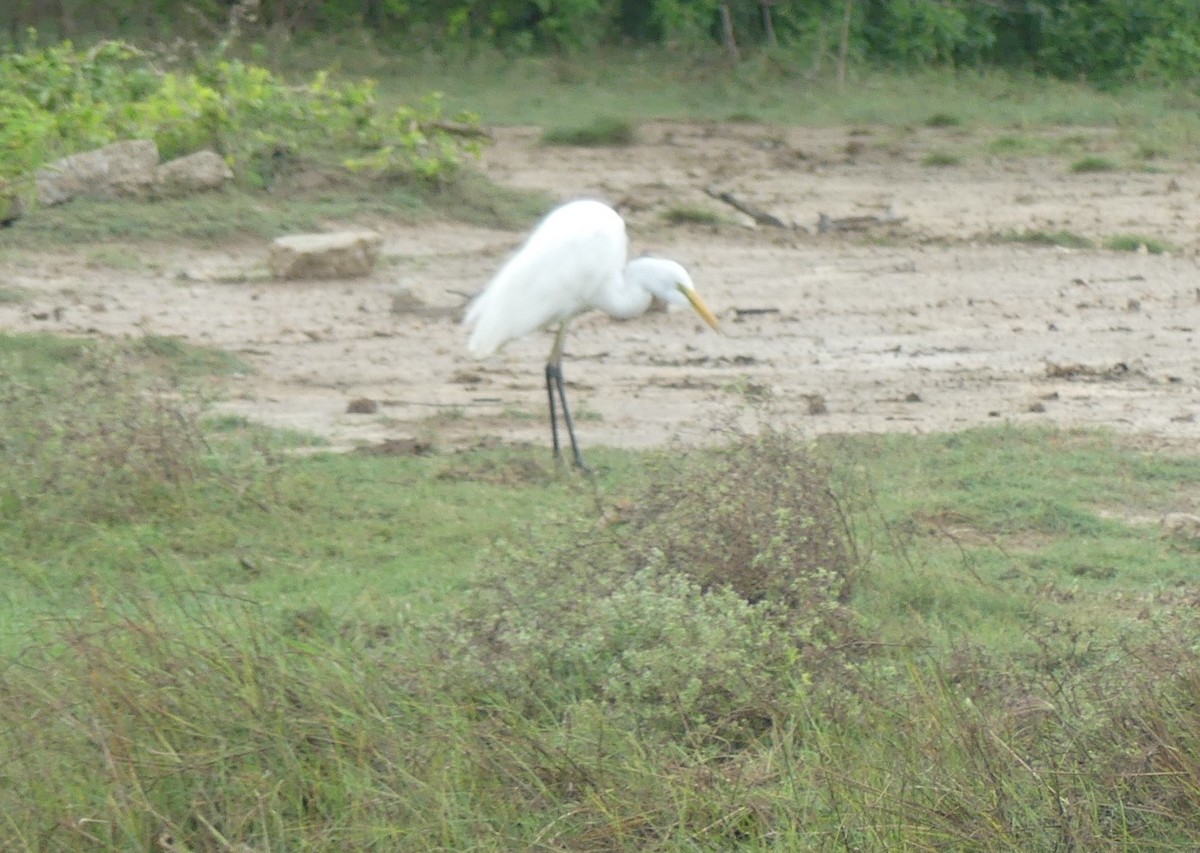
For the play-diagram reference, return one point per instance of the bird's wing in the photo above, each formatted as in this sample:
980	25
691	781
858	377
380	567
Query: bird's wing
554	276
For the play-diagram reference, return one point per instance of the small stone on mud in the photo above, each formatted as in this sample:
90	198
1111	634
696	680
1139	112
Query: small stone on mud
362	406
466	377
816	404
404	301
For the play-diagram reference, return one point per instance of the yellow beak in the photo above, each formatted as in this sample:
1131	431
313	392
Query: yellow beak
699	305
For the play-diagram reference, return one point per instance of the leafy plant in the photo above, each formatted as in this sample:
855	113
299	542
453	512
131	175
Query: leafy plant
63	100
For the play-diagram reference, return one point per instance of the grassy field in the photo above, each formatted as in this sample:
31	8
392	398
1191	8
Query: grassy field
976	641
785	88
208	641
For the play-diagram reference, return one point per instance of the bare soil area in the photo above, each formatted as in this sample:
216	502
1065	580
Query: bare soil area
923	322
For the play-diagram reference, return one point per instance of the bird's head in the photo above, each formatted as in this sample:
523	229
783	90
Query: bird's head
671	283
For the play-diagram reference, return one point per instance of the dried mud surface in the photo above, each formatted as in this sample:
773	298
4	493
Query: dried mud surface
923	322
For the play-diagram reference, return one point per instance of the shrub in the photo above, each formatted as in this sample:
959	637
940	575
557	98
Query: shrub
119	441
702	616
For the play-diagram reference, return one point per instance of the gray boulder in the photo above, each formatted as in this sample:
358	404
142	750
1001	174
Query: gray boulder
204	170
118	170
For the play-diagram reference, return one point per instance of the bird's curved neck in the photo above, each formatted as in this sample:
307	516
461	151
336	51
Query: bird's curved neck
624	296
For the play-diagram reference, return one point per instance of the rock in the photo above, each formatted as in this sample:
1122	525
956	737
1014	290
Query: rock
344	254
362	406
405	301
815	403
122	169
204	170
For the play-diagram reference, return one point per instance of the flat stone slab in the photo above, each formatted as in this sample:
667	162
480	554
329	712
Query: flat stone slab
342	254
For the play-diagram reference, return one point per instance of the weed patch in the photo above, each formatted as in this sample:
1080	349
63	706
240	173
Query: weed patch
123	440
602	131
1037	237
1093	163
691	215
941	159
1138	243
942	119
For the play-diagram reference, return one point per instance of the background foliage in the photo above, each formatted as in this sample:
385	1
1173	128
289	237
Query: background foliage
59	99
1107	40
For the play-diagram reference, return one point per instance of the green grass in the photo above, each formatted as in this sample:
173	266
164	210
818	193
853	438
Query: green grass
1012	145
240	214
1038	237
602	131
1093	163
14	295
681	214
942	120
569	91
452	651
1138	243
941	159
206	634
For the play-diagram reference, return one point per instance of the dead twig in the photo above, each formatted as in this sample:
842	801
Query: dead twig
459	129
762	217
826	223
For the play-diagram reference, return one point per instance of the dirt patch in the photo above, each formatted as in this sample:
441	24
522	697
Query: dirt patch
923	323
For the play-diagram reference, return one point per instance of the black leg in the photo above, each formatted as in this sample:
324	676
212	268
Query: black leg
554	379
551	371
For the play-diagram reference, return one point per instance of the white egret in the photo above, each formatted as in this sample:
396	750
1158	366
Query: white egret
574	261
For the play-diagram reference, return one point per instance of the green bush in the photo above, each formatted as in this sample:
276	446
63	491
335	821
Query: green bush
59	100
1115	39
703	614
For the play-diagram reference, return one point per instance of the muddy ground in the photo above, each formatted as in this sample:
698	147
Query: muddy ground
924	321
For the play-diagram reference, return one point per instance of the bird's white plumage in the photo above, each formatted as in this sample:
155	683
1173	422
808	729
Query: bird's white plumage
572	262
574	255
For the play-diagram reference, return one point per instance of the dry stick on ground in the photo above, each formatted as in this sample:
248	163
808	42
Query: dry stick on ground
460	129
759	216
